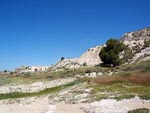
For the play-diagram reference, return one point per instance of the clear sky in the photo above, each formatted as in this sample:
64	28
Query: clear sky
39	32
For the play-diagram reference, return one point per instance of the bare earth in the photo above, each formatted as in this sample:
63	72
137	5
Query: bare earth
42	105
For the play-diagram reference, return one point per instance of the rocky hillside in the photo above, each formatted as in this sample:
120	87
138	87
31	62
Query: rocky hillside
138	41
89	58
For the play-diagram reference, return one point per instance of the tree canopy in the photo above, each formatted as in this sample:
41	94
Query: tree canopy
110	53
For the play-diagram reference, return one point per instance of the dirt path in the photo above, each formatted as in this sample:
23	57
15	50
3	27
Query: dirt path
70	108
29	105
42	105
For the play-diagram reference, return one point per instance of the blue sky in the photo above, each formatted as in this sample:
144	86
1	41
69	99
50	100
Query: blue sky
39	32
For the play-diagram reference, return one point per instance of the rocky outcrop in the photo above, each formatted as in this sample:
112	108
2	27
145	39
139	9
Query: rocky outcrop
66	63
89	58
138	42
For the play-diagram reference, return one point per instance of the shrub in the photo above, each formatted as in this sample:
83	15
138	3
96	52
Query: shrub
5	71
110	54
128	54
84	64
143	110
146	43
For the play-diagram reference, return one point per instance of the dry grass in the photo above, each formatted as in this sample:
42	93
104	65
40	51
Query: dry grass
135	78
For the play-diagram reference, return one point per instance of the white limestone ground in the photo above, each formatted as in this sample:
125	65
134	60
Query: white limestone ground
61	103
114	106
26	105
103	106
41	105
34	87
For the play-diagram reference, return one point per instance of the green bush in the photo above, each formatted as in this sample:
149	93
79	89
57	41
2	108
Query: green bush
110	54
146	43
128	54
84	64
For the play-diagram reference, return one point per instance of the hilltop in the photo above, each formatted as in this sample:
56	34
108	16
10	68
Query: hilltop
138	41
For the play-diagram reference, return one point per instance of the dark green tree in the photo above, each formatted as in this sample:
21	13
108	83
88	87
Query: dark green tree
62	58
110	54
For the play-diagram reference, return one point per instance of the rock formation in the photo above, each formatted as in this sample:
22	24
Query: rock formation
138	42
89	58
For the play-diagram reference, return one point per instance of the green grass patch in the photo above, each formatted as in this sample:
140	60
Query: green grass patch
124	97
143	110
81	71
145	97
121	90
142	66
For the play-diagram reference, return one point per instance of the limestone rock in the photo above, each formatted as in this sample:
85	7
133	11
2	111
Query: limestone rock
89	58
138	42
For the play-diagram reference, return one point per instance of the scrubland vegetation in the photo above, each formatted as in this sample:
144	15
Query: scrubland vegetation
144	110
43	92
134	80
130	81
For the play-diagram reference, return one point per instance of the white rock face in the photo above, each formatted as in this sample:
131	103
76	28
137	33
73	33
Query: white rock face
144	55
89	58
135	40
67	63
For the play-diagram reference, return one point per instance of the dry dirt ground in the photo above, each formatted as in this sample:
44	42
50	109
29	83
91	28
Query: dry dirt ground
60	102
43	105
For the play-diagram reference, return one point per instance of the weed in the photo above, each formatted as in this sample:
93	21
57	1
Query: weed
143	110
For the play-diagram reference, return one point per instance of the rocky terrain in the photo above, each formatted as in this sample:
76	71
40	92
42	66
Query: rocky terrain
75	99
34	87
89	58
79	86
138	42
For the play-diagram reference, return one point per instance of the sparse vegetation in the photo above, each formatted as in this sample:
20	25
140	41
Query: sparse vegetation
134	78
143	110
43	92
140	66
81	71
127	54
146	43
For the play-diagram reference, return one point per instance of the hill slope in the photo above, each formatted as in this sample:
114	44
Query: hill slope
138	41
